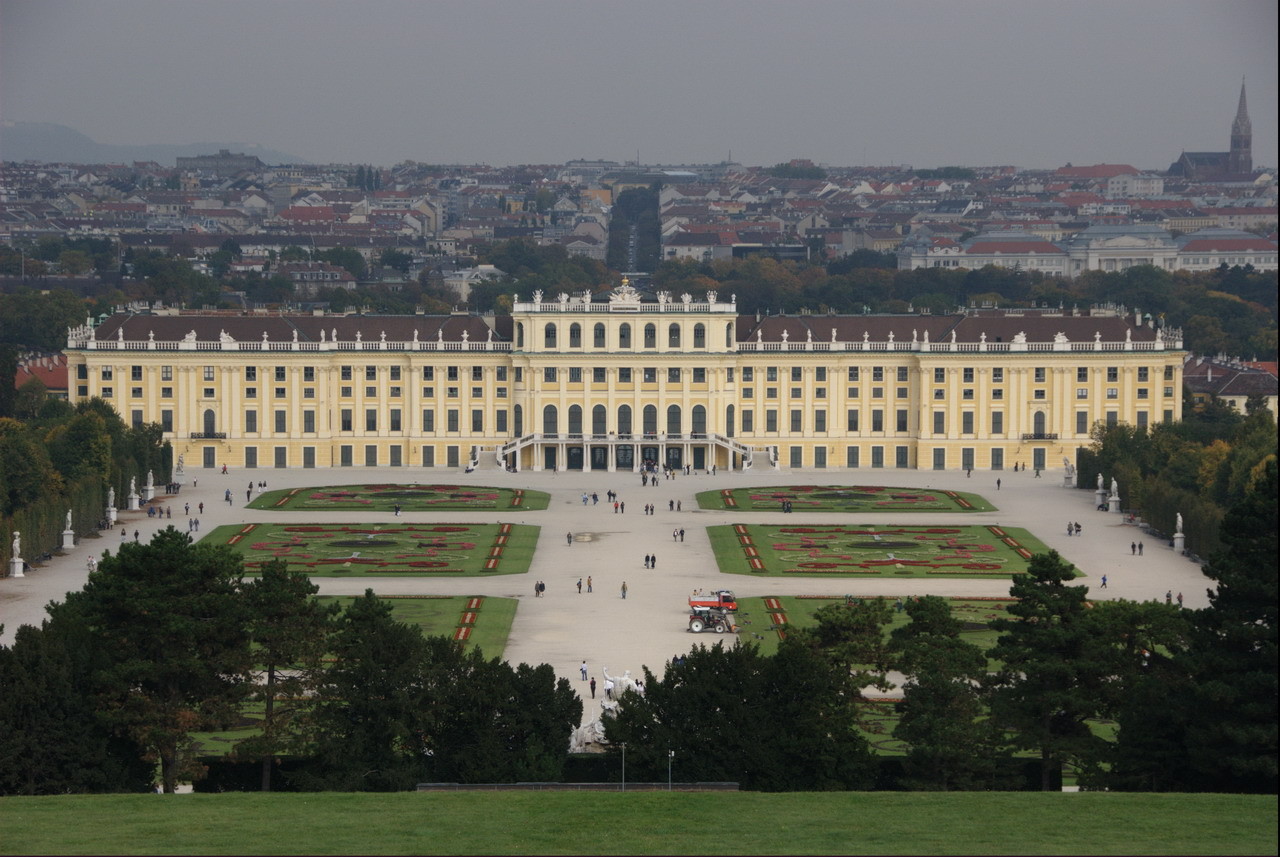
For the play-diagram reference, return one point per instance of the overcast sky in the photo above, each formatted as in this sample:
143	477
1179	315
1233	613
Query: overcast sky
1028	83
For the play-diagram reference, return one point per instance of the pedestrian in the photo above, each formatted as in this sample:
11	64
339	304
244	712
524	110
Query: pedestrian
997	484
1037	472
897	605
588	583
675	534
584	670
584	498
1139	548
593	688
1179	599
568	538
608	688
1078	528
248	495
135	535
968	473
224	470
579	585
1104	581
682	534
123	534
202	508
615	507
397	508
1070	528
677	505
186	509
197	525
1133	548
595	498
653	561
1168	596
168	511
622	507
671	505
624	590
537	589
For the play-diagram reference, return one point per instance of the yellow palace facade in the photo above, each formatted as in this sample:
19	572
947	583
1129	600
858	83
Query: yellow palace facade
619	381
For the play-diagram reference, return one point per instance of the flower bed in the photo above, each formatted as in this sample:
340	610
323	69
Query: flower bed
410	498
842	498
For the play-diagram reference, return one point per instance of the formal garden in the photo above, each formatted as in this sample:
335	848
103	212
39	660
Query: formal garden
873	550
842	498
408	498
379	550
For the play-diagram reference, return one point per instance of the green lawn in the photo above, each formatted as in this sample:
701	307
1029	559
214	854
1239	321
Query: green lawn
410	498
641	823
843	498
872	550
377	550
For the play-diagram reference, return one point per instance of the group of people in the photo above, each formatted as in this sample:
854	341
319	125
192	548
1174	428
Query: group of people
1073	528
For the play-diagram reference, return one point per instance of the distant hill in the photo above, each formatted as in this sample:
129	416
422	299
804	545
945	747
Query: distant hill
46	141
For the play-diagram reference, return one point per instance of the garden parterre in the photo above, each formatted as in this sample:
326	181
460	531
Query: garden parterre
385	497
842	498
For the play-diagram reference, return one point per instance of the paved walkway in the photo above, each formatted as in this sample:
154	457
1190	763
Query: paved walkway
649	626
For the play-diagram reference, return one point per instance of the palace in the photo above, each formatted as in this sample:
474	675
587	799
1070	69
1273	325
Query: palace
624	378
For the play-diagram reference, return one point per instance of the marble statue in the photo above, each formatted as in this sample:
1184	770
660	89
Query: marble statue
1179	529
133	485
111	497
1099	481
17	544
68	519
151	479
1115	487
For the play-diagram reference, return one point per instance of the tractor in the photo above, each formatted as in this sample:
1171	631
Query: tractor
711	619
722	599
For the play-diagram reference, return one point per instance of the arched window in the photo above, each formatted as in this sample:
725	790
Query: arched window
575	419
520	335
210	422
699	417
598	336
624	336
728	335
673	419
673	335
550	420
728	421
650	336
650	416
699	336
575	335
1038	422
624	419
549	336
597	420
519	420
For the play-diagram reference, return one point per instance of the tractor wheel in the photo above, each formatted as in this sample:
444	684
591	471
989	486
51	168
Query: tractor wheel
721	628
696	626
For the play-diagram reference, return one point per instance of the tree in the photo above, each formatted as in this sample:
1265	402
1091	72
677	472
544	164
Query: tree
781	723
344	257
951	743
290	631
1050	680
168	624
851	636
397	259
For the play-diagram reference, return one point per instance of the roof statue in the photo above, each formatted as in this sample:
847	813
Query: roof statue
191	336
224	337
624	294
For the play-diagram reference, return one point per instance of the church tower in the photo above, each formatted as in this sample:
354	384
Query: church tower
1240	159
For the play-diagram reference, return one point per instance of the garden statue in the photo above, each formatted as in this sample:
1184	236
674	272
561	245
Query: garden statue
17	544
1179	518
151	479
1099	481
133	485
1115	487
111	497
68	519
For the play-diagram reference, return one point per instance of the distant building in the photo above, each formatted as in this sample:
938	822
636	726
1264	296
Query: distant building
1200	166
309	277
1231	381
222	164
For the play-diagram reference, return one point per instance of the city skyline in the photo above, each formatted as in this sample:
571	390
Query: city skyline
921	83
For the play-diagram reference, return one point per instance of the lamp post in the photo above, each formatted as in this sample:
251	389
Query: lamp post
671	754
623	745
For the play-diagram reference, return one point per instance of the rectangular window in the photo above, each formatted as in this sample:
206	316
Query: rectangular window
500	392
281	418
1113	374
624	375
673	376
135	373
279	374
748	392
877	456
476	392
851	420
797	392
728	374
748	421
500	373
345	373
771	392
997	376
939	459
501	421
1082	374
451	458
395	419
939	394
371	392
997	422
939	422
395	373
1039	395
748	373
851	456
371	419
901	457
428	392
771	373
135	392
428	456
650	375
451	373
877	392
82	373
166	420
877	420
1168	373
997	459
1082	392
1113	418
797	418
396	454
853	373
877	373
901	392
967	394
428	373
900	419
136	418
1168	391
699	375
820	420
451	392
997	394
477	420
282	457
819	392
968	374
280	393
1113	392
371	373
370	456
1040	375
598	375
939	376
428	420
208	373
451	420
309	421
310	392
966	422
902	374
797	456
477	373
250	421
1142	392
820	457
345	456
208	394
770	420
345	392
575	375
166	373
1142	419
344	419
519	375
1082	422
820	373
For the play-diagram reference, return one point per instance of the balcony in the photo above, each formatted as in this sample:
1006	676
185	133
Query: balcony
208	435
1040	435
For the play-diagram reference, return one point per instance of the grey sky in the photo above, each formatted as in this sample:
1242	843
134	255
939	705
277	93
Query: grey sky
927	83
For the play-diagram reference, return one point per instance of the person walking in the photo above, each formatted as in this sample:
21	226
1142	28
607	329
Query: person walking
1133	548
568	538
201	508
622	507
1139	548
579	585
1168	596
624	590
593	688
186	509
584	670
1104	581
608	688
682	534
675	534
997	484
677	505
653	561
1179	599
135	535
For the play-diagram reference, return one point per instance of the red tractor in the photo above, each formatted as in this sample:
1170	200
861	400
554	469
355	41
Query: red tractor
721	599
711	619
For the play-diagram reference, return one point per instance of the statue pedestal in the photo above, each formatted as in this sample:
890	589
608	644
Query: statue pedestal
111	515
15	567
1068	481
148	493
1099	498
134	503
1179	542
1113	504
68	539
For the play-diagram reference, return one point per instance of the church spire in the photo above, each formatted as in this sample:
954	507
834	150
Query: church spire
1241	124
1240	158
